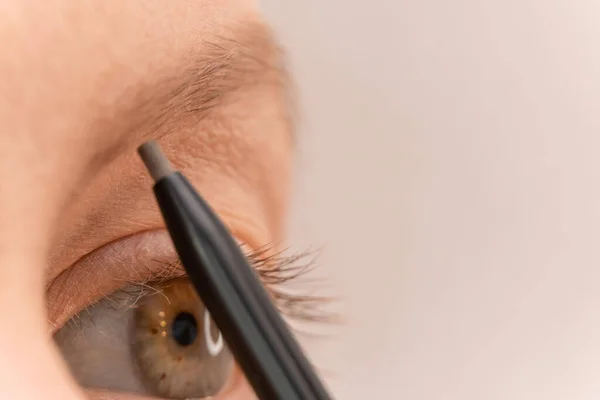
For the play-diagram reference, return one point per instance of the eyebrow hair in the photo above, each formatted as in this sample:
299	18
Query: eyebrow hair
245	56
248	56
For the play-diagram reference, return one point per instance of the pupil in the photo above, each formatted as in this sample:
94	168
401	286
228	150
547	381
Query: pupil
184	329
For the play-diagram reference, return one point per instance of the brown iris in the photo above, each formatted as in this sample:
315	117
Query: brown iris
178	348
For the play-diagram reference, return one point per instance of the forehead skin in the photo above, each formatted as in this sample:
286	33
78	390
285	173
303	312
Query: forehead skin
87	82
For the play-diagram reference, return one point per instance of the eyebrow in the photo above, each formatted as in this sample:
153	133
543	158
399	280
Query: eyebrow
193	89
248	56
244	57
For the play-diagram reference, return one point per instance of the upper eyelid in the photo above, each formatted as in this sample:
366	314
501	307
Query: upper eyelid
137	258
134	258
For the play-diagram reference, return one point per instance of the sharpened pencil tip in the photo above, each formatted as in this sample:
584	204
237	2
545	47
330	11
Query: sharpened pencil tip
157	164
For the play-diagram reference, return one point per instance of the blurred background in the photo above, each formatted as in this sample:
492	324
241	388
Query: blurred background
448	165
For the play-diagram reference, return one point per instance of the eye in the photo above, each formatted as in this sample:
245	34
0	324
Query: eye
155	340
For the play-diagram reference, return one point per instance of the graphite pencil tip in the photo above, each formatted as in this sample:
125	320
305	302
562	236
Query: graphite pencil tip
157	164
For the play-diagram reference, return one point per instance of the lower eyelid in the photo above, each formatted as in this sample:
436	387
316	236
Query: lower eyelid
237	388
237	383
105	395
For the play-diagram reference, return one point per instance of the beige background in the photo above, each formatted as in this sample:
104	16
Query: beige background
449	164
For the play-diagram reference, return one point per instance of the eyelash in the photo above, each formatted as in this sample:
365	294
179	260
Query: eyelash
276	269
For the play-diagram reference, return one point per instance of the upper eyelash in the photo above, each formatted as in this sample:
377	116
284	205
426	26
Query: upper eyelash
275	269
278	268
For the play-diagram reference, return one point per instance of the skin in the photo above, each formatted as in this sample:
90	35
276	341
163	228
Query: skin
82	85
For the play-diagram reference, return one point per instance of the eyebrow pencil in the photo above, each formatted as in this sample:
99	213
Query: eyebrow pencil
253	328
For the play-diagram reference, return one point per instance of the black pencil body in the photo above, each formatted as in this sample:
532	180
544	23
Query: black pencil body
253	328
